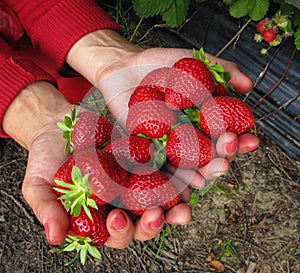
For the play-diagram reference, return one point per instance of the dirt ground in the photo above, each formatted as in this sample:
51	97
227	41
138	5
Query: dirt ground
247	222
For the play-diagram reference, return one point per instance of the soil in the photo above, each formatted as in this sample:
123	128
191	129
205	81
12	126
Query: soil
247	222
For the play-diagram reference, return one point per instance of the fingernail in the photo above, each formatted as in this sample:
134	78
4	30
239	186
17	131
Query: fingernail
120	222
218	174
250	148
46	228
158	222
231	147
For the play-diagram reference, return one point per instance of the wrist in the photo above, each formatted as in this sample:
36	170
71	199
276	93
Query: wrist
98	51
35	110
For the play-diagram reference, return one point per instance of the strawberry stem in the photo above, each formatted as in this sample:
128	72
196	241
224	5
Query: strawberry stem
83	247
68	127
217	70
76	194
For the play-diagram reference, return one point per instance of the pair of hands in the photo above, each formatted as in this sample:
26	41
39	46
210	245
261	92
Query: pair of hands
31	120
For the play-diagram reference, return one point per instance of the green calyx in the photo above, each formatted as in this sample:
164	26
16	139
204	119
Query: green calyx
192	115
83	247
76	195
159	155
68	127
217	70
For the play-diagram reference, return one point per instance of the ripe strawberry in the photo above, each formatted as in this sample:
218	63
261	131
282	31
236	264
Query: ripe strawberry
188	147
225	114
157	79
147	188
89	178
86	129
190	83
150	118
86	235
83	226
131	151
220	90
269	35
260	27
144	93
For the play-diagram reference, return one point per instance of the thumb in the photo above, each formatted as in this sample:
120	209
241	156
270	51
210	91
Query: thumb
40	196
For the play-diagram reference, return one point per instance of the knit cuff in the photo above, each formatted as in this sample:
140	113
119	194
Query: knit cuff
15	74
64	24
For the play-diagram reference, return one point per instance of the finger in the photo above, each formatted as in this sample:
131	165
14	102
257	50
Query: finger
180	214
150	224
217	167
120	228
188	176
248	143
182	188
227	146
242	83
40	196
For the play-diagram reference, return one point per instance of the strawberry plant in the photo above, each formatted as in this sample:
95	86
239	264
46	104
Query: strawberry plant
284	23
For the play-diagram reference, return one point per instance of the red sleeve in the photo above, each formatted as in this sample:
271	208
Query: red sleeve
56	25
15	74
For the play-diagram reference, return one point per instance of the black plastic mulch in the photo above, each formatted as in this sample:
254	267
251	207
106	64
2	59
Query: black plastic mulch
209	25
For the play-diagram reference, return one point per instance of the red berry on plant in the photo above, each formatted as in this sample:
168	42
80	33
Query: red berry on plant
269	35
260	27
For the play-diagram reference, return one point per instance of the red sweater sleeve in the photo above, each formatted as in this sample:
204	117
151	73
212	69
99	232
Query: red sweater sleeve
55	25
16	73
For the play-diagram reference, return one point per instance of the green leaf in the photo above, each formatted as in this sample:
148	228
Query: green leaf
239	8
259	9
297	38
296	17
176	13
295	3
149	8
256	9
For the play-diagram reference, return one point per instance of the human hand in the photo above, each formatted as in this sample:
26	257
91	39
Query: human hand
116	69
32	121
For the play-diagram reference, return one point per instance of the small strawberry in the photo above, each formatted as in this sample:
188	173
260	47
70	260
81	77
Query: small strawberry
225	114
86	235
157	79
144	93
188	147
190	83
89	178
131	151
150	118
260	27
86	129
269	35
147	188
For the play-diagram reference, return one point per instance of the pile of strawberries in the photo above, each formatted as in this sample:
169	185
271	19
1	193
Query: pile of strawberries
174	117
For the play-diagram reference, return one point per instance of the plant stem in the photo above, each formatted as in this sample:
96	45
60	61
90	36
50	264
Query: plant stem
136	29
233	38
278	82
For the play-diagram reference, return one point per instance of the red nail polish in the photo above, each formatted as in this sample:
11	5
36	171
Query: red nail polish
120	222
157	223
231	146
46	227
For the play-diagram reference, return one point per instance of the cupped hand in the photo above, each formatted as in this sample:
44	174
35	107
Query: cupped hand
118	81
